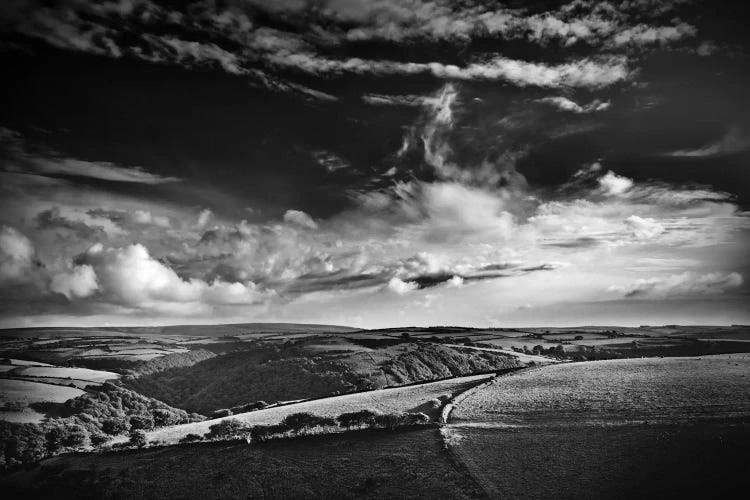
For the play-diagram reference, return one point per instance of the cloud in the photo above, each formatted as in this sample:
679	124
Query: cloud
204	217
237	38
16	255
395	100
400	287
734	141
78	283
707	48
683	284
565	104
146	217
612	184
45	162
330	161
300	218
453	211
130	277
588	73
643	34
643	229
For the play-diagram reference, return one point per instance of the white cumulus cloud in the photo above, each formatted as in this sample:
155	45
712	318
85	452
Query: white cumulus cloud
300	218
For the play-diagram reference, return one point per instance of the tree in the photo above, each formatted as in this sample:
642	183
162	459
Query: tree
388	420
138	438
225	429
299	421
98	439
190	438
224	412
357	418
54	438
113	426
145	422
75	435
163	417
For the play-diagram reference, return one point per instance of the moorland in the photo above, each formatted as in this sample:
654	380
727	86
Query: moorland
119	412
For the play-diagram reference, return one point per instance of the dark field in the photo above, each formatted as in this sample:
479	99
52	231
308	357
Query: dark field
702	461
385	464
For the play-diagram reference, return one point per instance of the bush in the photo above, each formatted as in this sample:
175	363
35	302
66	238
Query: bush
162	418
388	421
415	419
224	412
191	438
138	438
226	429
145	422
98	439
357	419
266	432
304	420
75	435
114	426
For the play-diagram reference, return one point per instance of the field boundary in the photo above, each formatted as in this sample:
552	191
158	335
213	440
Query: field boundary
448	408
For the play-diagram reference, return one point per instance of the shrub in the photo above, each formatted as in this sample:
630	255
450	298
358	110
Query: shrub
191	438
75	435
162	417
224	412
114	426
388	420
415	419
225	429
98	439
145	422
266	432
138	438
357	418
299	421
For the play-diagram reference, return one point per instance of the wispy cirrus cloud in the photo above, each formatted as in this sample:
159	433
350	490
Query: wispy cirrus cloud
735	140
19	158
240	45
684	284
564	104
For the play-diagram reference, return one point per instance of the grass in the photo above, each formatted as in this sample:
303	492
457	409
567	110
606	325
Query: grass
617	391
633	428
21	393
64	372
378	464
394	400
707	460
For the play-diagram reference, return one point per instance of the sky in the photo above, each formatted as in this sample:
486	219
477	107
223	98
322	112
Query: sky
374	163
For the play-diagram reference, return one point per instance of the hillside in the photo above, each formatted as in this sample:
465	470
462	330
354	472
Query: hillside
290	372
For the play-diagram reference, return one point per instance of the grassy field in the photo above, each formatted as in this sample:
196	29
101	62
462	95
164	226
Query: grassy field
400	399
65	372
635	428
649	389
19	394
379	464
